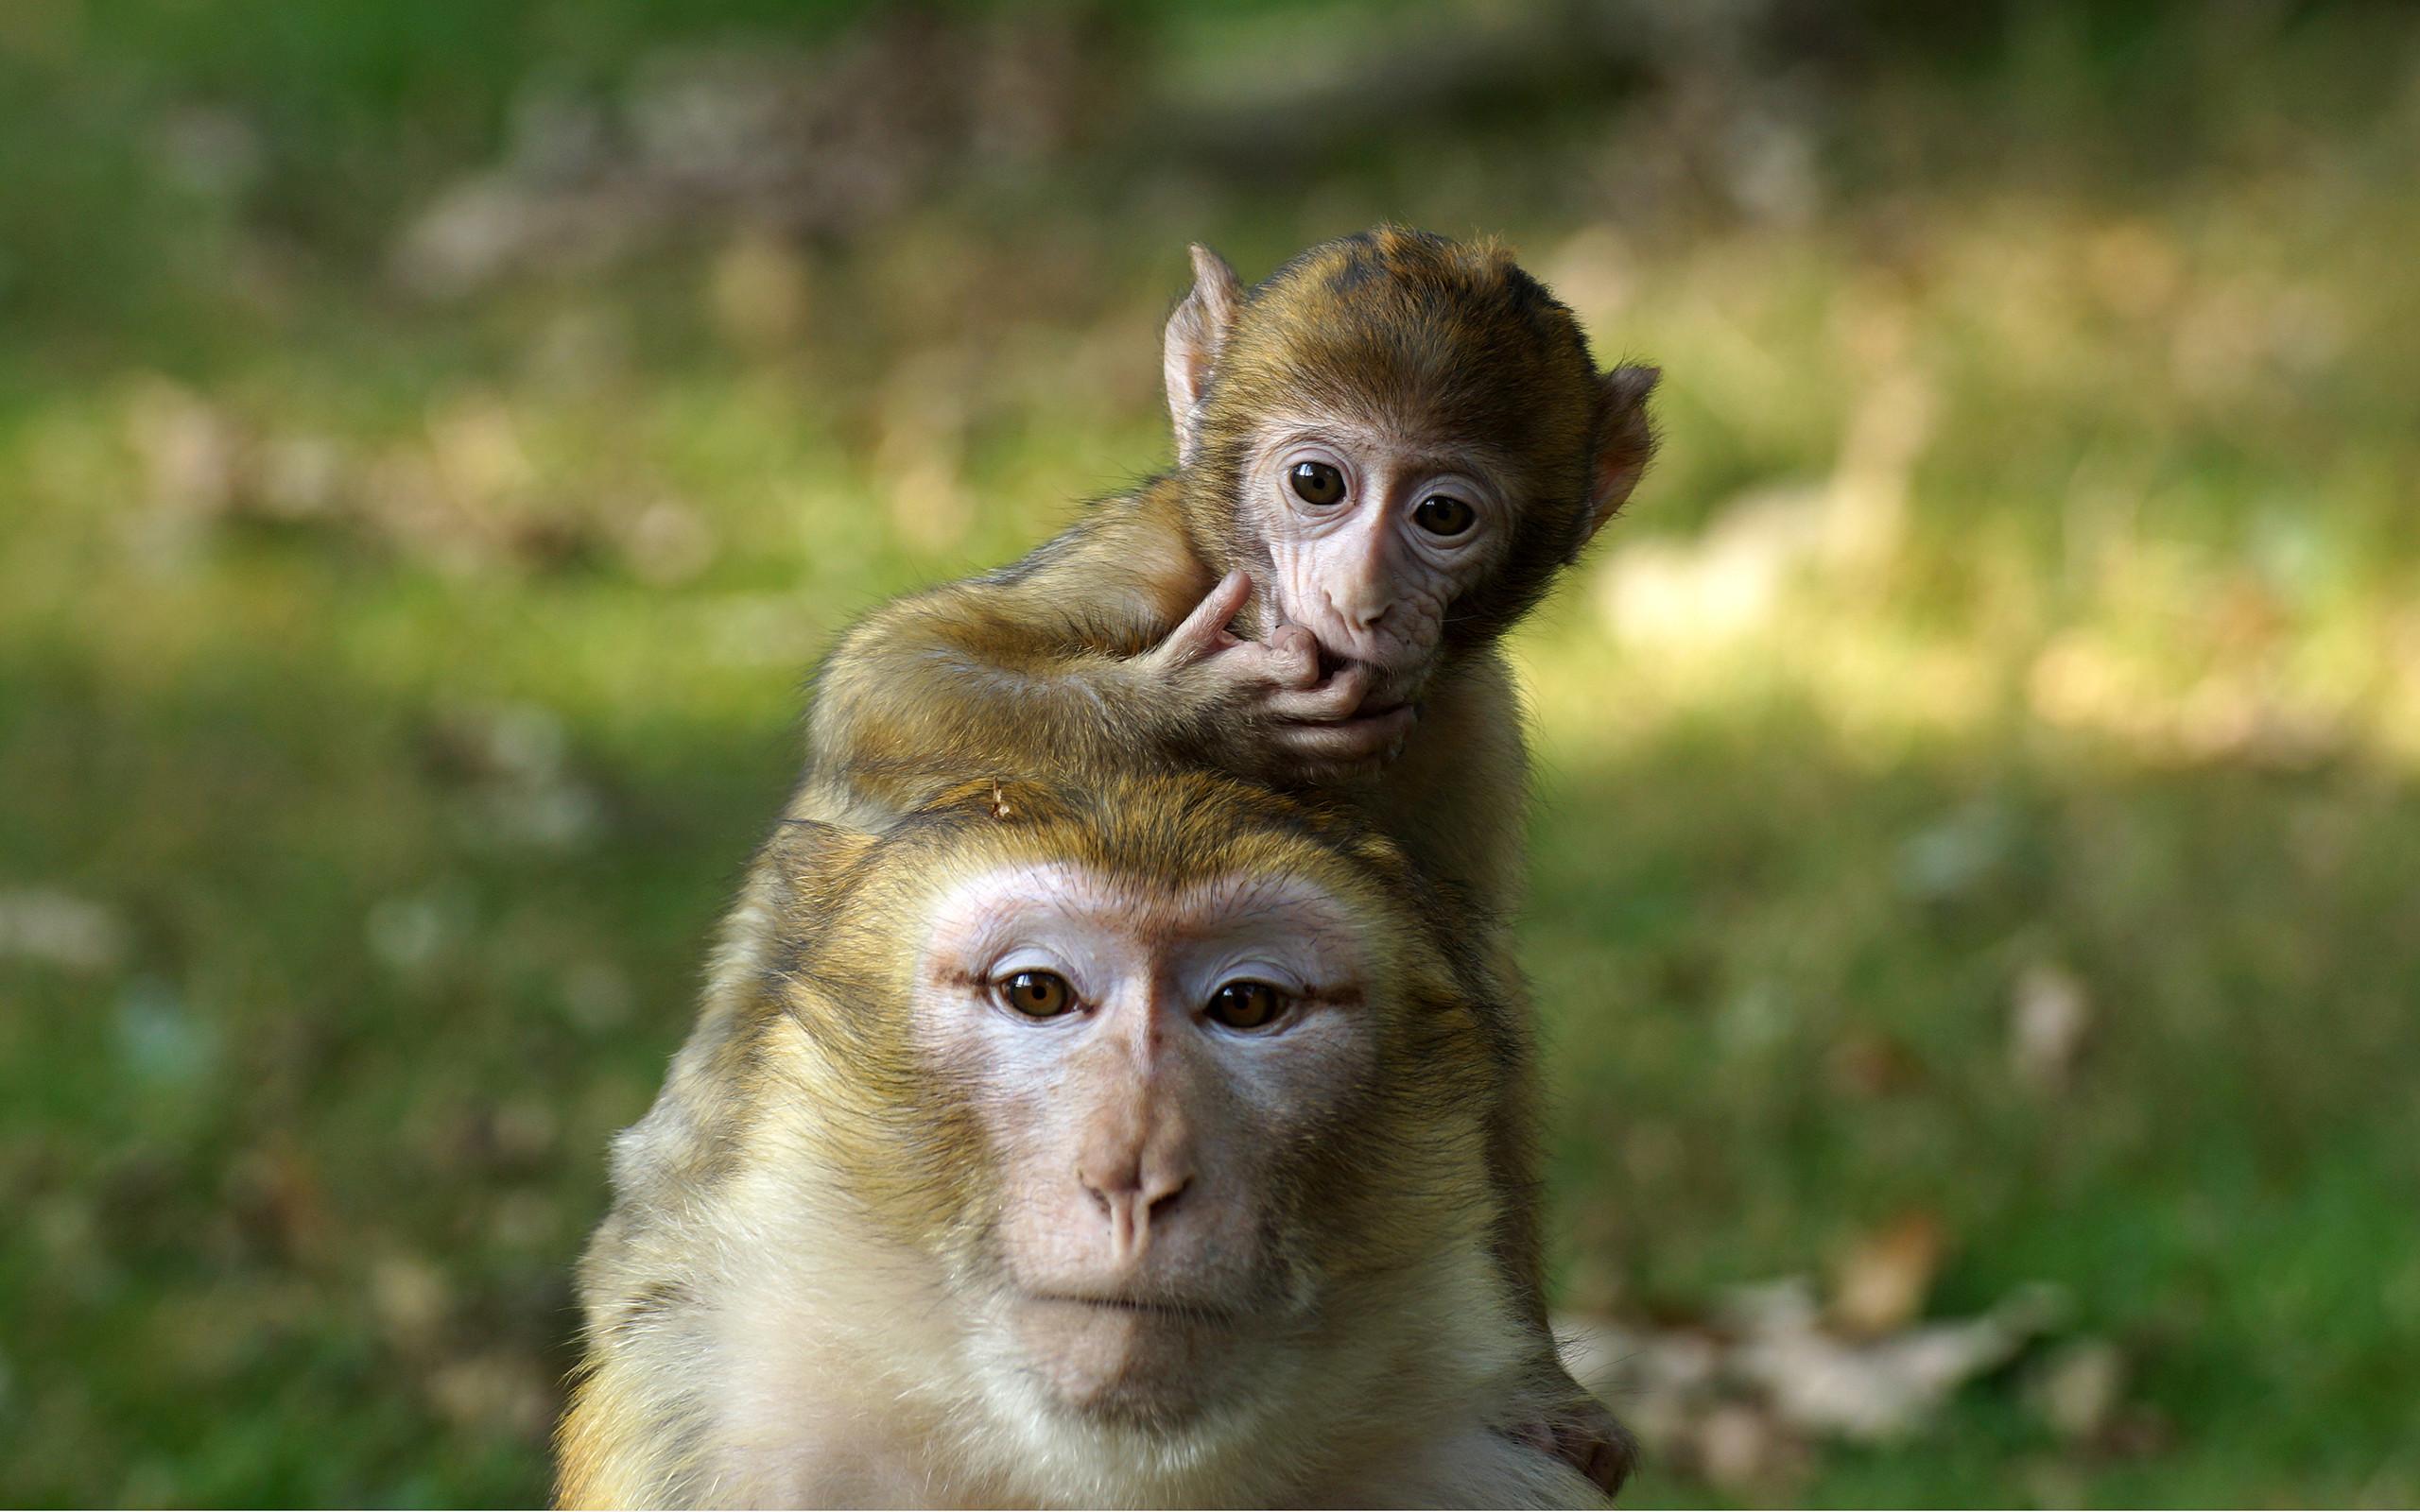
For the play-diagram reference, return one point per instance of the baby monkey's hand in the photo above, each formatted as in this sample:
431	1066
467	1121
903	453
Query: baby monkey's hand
1313	725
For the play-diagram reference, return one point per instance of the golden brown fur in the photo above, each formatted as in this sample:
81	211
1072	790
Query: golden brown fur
1044	669
1034	668
782	1306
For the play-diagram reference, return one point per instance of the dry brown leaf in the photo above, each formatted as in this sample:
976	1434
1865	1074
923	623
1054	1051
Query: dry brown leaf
1874	1390
1738	1396
1881	1284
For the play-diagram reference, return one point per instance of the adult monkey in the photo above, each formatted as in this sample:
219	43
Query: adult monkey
1386	453
1115	1145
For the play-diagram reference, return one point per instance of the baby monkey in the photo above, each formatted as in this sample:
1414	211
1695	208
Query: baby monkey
1386	453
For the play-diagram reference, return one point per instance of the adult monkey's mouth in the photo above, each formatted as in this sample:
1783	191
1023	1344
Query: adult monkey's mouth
1174	1309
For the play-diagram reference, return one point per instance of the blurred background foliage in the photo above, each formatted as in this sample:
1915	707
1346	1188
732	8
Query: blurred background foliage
1976	826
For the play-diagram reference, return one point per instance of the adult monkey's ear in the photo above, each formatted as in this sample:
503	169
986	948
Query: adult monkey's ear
1196	332
1625	440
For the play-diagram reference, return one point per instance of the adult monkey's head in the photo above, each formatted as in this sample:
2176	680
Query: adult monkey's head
1117	1145
1402	438
1174	1095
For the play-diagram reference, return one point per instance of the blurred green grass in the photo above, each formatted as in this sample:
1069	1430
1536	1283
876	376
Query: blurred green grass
2029	584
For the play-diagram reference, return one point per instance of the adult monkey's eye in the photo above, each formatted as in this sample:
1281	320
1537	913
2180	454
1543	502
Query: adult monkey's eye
1442	514
1316	482
1246	1005
1037	994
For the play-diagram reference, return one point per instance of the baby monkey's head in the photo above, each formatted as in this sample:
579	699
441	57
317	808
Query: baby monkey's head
1403	438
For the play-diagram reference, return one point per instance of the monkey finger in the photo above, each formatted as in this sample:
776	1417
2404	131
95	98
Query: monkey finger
1294	656
1204	631
1325	703
1346	740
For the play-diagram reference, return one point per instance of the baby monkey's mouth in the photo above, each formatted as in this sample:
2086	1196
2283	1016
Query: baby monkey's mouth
1388	689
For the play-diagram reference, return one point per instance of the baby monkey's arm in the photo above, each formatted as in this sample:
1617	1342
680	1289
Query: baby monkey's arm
1014	679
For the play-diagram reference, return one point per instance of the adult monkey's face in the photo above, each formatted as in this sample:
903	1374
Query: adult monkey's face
1152	1064
1205	1070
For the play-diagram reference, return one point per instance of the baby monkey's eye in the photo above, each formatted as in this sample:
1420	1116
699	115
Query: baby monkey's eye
1442	514
1246	1005
1036	994
1316	482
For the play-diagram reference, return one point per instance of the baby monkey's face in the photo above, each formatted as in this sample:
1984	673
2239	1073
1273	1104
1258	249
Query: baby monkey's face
1152	1068
1372	537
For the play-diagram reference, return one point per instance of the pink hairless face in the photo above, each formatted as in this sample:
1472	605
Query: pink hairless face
1371	541
1108	1032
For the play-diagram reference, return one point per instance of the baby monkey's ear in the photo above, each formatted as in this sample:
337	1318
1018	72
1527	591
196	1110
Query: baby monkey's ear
1625	440
1196	332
